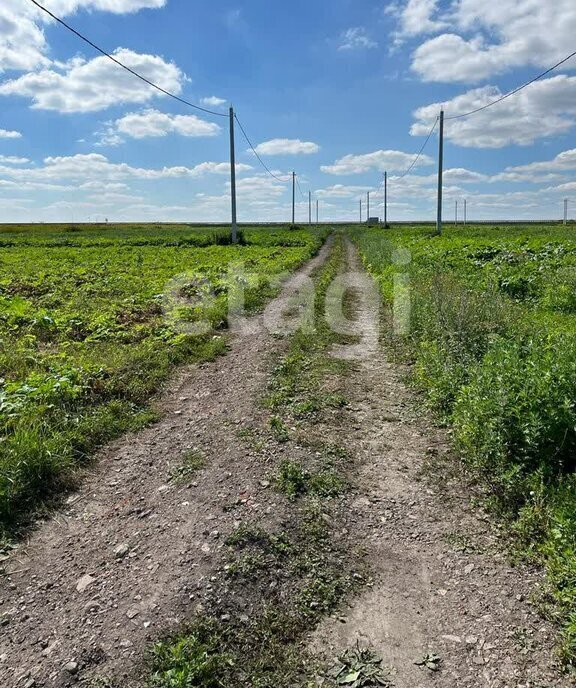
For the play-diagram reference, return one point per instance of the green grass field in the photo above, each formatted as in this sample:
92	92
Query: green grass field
84	341
493	341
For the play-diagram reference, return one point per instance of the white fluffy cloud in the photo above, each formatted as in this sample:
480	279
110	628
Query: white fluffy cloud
341	191
114	6
563	161
260	193
378	160
12	160
356	38
544	109
259	187
460	175
451	58
103	186
569	187
219	168
287	147
541	171
5	134
95	168
91	85
416	17
22	42
213	101
488	38
154	124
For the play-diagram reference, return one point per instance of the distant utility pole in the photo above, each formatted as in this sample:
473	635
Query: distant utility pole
565	211
233	179
309	207
465	212
317	212
368	206
293	198
456	212
385	199
440	172
360	211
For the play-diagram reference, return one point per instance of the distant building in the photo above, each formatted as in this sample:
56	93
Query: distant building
373	221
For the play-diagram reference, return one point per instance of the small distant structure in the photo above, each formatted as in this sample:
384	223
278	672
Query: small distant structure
373	221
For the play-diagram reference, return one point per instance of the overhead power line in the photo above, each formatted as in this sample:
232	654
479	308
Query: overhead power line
516	90
284	181
121	64
300	188
419	155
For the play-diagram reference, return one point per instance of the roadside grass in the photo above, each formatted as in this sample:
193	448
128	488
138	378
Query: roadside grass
192	462
296	390
85	343
493	346
294	480
252	438
277	585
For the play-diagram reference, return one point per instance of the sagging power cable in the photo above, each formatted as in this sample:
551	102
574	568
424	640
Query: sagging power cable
121	64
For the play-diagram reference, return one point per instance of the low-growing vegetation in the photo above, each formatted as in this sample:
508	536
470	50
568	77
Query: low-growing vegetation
192	462
296	390
278	583
294	480
493	341
299	574
86	336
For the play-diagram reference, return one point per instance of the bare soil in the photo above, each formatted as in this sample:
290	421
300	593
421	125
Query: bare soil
135	552
123	562
443	583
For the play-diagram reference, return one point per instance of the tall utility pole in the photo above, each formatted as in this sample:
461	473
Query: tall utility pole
565	211
368	206
293	198
456	212
440	172
309	207
317	212
385	199
465	212
233	179
360	211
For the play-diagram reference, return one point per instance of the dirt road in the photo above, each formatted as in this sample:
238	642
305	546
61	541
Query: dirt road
442	583
122	563
135	551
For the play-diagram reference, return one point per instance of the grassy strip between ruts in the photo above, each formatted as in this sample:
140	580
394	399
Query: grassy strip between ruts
291	577
85	339
493	342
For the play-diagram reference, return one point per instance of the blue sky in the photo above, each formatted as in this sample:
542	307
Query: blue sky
338	91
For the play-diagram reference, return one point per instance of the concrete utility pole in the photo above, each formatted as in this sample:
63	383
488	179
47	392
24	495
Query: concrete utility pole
309	207
465	212
440	172
565	211
317	212
385	199
233	179
368	206
360	211
293	198
456	213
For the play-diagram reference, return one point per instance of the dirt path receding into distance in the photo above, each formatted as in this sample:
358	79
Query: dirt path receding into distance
442	582
133	552
95	584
